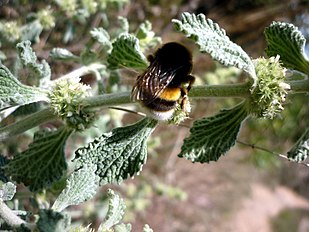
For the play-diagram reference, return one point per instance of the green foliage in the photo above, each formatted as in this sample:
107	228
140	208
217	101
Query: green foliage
115	211
126	53
287	41
29	59
102	37
14	93
299	152
43	162
146	36
7	191
12	31
213	136
50	221
213	40
63	54
120	153
81	186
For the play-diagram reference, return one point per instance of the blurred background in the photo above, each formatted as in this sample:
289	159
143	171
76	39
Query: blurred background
248	189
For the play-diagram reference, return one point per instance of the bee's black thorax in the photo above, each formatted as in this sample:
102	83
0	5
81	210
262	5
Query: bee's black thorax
162	85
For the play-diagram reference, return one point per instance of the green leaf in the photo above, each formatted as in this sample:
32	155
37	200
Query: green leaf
63	54
102	37
50	221
126	53
7	191
81	186
213	136
43	162
300	151
116	207
213	40
29	59
287	41
118	154
14	93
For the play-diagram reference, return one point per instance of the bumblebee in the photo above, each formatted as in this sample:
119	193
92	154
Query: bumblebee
166	82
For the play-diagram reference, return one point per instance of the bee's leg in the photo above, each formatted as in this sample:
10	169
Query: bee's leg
190	80
184	100
185	104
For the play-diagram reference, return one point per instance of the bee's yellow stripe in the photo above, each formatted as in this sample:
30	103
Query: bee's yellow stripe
171	94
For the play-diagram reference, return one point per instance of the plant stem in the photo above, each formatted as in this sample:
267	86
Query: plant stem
26	123
240	90
300	86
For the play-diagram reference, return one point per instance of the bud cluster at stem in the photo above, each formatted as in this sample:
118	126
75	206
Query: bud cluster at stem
268	96
66	101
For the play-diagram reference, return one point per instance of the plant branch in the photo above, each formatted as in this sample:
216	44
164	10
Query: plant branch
240	90
253	146
300	86
26	123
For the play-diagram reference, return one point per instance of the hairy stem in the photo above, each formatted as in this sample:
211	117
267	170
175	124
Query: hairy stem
240	90
301	86
26	123
207	91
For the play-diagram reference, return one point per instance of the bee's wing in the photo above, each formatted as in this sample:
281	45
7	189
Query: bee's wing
151	83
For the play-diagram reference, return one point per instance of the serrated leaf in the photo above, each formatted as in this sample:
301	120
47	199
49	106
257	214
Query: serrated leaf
102	37
120	153
43	162
285	40
213	40
14	93
300	151
50	221
28	57
213	136
81	185
116	207
126	53
63	54
7	191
